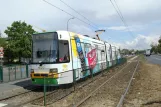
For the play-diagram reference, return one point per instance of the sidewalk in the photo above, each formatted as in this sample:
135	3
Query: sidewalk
13	88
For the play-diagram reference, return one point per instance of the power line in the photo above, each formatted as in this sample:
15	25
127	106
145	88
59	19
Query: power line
121	17
78	13
69	14
119	11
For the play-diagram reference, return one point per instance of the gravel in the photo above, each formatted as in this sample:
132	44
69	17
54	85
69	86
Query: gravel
109	95
146	88
64	96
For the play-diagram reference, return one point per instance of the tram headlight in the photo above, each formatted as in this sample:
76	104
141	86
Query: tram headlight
54	70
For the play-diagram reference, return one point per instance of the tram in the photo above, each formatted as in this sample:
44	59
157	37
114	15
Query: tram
62	57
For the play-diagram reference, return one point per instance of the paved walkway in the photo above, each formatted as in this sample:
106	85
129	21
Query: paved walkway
13	88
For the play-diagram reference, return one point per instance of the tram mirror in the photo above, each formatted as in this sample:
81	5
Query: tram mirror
39	54
65	43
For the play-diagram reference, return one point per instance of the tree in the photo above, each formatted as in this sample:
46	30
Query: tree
20	39
2	42
125	51
159	45
139	52
154	48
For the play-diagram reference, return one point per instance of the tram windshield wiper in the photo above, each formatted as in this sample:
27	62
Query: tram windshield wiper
48	56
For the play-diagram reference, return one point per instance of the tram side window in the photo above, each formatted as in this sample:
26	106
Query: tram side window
82	45
64	51
87	48
99	54
96	47
103	53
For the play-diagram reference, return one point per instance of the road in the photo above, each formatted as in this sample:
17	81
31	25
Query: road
154	59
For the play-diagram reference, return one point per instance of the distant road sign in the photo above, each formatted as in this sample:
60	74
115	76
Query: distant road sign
1	52
1	48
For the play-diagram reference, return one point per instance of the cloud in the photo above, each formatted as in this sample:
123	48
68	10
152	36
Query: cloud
117	28
140	42
100	12
139	15
139	11
82	30
130	28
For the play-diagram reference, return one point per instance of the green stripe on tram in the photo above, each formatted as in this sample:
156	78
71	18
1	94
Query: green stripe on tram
48	81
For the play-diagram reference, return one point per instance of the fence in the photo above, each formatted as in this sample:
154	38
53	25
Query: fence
13	72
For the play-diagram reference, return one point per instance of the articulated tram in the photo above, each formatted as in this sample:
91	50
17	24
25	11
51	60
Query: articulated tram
61	57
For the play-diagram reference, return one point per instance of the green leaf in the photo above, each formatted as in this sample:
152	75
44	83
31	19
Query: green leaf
19	39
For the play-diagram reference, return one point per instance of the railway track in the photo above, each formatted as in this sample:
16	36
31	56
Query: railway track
127	88
35	91
62	97
25	97
78	86
39	99
39	95
128	74
30	89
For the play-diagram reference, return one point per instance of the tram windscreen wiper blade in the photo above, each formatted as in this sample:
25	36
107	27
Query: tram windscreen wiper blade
46	57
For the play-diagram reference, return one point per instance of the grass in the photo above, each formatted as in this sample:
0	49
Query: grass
142	58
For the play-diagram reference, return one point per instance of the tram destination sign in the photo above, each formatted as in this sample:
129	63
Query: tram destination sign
44	36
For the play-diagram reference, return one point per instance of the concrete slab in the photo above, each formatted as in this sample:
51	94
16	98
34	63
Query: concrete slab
13	88
2	105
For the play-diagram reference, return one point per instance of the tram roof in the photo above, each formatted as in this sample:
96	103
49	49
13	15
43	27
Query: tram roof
90	38
43	32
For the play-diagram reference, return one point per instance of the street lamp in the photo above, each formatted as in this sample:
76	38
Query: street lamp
68	22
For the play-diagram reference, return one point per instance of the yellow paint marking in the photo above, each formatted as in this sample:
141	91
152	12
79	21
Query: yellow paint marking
74	48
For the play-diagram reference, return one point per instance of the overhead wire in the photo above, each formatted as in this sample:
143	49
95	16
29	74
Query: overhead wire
121	17
92	24
78	13
118	11
69	14
124	20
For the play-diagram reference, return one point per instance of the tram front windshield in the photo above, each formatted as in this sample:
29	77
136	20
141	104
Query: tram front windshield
48	49
45	48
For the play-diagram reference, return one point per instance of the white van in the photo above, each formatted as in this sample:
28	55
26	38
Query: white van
147	53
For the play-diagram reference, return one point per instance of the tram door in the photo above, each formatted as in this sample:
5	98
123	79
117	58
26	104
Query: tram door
75	60
103	58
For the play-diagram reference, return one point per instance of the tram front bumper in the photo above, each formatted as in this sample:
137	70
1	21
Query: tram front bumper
44	78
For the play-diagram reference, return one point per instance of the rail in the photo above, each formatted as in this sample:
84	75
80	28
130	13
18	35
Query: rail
21	93
83	100
43	96
123	96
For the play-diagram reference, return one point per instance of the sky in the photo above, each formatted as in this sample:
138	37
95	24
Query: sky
143	18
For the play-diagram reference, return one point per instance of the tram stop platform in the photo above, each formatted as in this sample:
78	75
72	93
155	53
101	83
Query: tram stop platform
13	88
